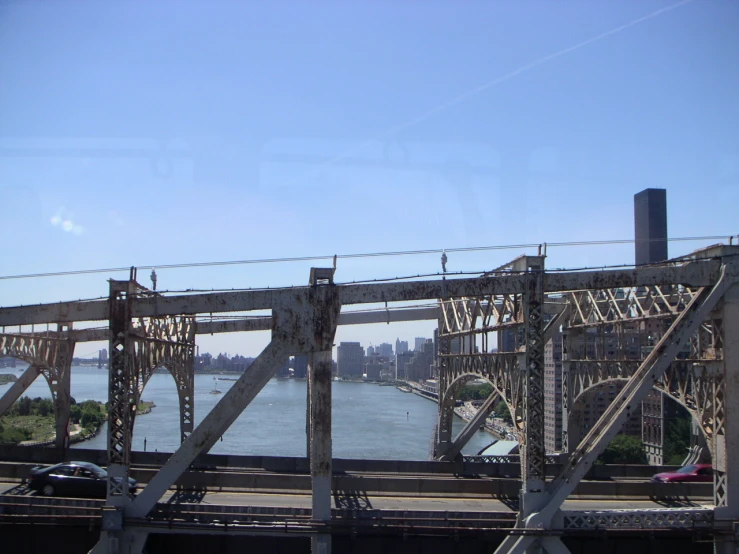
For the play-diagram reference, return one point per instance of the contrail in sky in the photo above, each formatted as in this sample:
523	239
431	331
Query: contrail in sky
523	69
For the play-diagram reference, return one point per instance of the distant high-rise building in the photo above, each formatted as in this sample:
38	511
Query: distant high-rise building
401	346
553	393
300	367
650	246
650	226
370	350
507	340
419	366
350	359
385	349
419	344
284	371
401	361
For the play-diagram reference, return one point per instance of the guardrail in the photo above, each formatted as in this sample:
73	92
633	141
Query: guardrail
258	520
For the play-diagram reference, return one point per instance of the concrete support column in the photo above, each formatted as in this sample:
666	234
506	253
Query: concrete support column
726	437
18	388
319	376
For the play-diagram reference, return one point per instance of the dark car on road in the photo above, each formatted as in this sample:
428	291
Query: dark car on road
72	479
696	473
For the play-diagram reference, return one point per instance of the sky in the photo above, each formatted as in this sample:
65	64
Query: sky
145	134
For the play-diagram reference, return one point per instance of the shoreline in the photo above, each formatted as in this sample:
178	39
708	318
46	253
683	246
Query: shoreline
75	438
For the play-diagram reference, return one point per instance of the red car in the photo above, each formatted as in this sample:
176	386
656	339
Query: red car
697	473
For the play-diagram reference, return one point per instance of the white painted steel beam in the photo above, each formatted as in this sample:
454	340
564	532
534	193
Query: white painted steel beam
470	428
610	423
694	274
218	420
18	388
391	315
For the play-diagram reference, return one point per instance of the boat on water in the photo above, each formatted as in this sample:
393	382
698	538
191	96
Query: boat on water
215	387
227	379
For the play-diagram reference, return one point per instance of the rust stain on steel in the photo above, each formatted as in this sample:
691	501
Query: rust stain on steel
697	273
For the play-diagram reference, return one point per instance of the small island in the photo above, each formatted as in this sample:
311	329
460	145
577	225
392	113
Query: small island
31	421
7	378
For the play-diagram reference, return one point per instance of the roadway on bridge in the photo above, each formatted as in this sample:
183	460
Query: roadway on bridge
357	500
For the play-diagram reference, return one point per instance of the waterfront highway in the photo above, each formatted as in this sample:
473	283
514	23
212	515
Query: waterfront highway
358	500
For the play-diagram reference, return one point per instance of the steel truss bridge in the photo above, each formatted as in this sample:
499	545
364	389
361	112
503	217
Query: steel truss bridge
690	308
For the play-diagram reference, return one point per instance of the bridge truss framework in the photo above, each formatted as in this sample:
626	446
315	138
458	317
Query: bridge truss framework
694	359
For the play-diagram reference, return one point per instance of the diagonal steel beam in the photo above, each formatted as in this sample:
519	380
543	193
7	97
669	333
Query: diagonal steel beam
18	388
470	429
214	425
613	418
555	323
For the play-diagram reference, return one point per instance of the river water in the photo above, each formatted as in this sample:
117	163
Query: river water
368	421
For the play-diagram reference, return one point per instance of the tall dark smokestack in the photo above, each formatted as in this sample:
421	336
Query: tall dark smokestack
650	226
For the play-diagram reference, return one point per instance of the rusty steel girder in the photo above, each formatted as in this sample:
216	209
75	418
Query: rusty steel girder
137	348
693	274
627	304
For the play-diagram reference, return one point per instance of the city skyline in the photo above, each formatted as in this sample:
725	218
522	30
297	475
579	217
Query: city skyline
463	127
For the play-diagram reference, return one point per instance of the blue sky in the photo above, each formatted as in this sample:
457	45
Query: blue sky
139	134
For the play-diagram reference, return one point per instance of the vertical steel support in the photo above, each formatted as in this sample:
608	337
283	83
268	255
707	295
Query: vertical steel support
308	413
320	451
60	384
183	372
609	424
572	349
121	382
533	454
445	418
314	331
726	435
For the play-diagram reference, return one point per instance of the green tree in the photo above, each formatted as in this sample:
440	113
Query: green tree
91	420
677	438
624	449
42	406
475	392
24	406
503	412
75	413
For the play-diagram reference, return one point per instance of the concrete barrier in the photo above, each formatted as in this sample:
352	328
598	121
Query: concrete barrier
277	464
394	485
